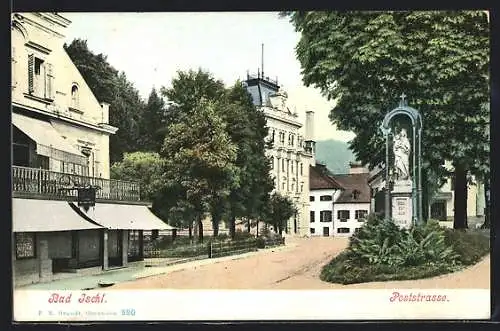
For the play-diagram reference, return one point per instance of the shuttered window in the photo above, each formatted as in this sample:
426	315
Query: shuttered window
49	81
31	73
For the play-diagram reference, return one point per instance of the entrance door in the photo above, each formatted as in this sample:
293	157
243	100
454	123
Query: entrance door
115	241
326	231
438	210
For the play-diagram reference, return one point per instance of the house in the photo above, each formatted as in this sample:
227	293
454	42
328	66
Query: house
339	203
291	152
60	149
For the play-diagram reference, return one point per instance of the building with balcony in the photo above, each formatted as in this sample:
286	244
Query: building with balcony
292	152
60	148
339	203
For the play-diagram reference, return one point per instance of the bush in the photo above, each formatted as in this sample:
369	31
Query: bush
382	251
470	246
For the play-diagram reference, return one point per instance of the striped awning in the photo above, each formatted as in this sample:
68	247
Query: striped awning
49	142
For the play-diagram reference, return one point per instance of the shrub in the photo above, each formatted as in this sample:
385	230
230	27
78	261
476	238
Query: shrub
382	251
470	246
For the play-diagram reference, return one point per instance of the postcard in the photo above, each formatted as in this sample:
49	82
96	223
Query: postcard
250	166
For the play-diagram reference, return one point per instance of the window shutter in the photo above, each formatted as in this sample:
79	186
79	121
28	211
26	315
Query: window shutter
13	72
49	82
31	72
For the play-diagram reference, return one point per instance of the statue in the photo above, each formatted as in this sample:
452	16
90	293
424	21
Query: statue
402	156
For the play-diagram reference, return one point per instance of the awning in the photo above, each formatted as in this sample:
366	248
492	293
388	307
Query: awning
31	215
125	217
49	141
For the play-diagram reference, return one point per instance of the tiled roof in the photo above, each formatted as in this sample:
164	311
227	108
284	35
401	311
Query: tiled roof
356	189
320	178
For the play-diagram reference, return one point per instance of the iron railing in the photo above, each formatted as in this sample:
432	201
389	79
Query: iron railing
50	183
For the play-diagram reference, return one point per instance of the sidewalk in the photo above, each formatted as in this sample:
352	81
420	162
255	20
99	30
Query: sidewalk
133	273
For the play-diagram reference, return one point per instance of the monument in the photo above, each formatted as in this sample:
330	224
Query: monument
403	200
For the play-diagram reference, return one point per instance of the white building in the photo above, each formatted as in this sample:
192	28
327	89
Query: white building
339	204
60	145
292	152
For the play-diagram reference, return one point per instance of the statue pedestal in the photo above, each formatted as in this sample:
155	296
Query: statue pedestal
402	204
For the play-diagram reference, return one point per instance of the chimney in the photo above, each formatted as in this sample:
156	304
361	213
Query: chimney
357	168
105	113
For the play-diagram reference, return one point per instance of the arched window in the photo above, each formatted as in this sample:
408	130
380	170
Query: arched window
74	96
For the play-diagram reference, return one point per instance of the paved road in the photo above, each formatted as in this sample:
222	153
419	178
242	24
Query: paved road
297	267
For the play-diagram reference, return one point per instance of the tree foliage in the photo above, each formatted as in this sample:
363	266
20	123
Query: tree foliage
279	210
439	59
111	86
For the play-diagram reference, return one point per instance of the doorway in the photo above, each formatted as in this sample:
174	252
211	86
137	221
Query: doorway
115	245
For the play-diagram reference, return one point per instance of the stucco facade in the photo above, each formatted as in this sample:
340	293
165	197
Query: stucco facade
45	81
291	152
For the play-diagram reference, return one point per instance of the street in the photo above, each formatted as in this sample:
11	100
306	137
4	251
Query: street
295	267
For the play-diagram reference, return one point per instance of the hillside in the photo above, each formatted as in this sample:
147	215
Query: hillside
335	154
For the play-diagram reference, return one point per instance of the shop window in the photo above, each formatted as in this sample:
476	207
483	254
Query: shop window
25	245
133	243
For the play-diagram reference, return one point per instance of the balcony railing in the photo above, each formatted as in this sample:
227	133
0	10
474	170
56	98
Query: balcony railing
50	183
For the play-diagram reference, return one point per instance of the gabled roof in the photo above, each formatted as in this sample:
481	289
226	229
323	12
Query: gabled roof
320	179
356	189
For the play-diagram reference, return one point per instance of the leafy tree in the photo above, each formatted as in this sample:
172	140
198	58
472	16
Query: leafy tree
111	86
199	158
440	59
279	210
152	124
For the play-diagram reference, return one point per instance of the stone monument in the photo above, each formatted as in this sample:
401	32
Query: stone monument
402	188
403	198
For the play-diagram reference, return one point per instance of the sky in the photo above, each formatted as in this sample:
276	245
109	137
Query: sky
151	47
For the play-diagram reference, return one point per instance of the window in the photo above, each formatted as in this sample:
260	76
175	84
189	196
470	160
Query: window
25	245
438	210
74	97
283	186
283	164
343	215
325	216
40	78
293	138
301	169
282	137
311	216
311	198
343	230
313	230
355	194
291	167
326	231
301	187
360	215
272	137
293	187
325	198
133	243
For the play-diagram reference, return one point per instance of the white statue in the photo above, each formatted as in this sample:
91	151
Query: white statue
402	156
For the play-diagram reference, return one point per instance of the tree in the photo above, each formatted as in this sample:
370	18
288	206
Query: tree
152	124
199	158
440	59
279	210
247	128
111	86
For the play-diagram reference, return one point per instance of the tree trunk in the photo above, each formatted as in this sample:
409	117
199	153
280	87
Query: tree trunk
215	227
487	222
257	232
190	231
200	230
232	227
425	196
460	203
248	225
